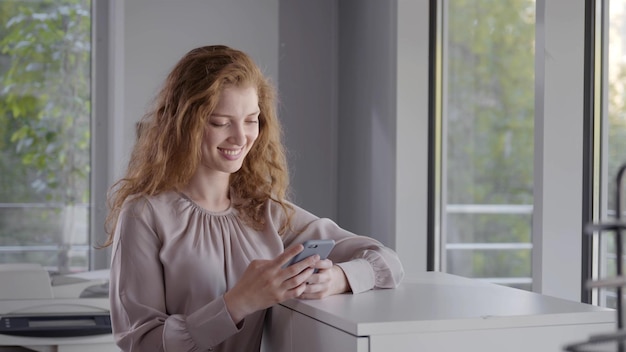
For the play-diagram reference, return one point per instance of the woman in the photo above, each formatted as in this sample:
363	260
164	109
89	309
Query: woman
202	228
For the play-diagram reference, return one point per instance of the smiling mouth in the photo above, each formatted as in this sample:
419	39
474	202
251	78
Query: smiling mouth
230	152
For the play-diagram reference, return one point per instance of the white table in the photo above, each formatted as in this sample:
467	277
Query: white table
434	312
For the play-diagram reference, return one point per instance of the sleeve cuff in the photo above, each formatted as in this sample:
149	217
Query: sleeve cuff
212	324
360	275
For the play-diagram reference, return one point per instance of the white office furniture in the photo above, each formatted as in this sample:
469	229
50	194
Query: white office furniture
73	344
434	312
53	306
25	281
95	343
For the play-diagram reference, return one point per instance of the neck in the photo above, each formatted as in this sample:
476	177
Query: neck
211	193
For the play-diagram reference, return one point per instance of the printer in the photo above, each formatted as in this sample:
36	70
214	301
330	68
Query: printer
44	312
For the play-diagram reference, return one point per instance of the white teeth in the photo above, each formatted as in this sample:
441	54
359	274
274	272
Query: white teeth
231	152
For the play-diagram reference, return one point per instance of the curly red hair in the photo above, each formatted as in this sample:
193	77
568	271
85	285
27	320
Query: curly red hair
168	148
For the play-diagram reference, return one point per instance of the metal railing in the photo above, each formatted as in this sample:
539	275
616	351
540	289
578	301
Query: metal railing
74	250
502	209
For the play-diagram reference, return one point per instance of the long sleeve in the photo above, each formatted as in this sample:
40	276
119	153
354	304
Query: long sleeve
367	263
140	316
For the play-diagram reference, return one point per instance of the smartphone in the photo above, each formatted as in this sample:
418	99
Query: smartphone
312	247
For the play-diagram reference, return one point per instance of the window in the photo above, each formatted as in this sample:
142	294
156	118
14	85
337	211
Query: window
487	117
613	119
45	133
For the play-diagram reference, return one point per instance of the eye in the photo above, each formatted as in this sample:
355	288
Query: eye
218	123
255	121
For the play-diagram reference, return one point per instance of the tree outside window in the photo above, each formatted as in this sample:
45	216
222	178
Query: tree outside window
45	113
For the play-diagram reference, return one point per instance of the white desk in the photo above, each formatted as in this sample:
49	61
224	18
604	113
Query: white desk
435	312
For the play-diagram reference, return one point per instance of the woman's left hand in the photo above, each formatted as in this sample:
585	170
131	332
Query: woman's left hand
329	280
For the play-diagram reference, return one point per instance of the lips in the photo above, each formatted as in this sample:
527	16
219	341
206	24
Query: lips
231	154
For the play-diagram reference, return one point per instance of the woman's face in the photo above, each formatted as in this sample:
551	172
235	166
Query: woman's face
232	129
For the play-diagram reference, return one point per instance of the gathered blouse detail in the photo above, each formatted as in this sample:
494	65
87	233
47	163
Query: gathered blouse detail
173	261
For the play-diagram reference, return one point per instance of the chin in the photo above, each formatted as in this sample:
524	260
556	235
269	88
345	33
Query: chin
232	170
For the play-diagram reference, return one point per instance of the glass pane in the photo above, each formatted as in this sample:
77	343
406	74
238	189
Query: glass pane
45	67
615	120
489	140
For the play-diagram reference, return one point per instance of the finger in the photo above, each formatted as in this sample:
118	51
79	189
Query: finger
312	295
309	290
297	291
318	278
289	253
314	290
299	279
323	264
306	263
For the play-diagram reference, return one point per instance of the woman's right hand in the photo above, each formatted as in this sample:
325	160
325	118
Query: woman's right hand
266	282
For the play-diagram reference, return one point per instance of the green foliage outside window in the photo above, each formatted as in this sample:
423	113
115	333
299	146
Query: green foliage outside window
490	131
45	99
45	93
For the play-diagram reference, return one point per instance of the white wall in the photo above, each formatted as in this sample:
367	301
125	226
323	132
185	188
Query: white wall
354	100
412	128
558	174
367	117
150	36
308	101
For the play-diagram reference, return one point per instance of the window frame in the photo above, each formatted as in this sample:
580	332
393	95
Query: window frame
560	108
101	112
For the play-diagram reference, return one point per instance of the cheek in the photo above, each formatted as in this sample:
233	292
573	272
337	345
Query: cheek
252	142
253	136
210	137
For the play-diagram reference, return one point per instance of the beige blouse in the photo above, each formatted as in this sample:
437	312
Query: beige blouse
173	261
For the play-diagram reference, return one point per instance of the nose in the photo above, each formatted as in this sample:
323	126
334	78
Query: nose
238	136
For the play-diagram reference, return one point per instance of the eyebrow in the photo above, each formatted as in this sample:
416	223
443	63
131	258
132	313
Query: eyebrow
217	114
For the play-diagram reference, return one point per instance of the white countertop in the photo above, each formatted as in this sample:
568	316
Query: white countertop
437	301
